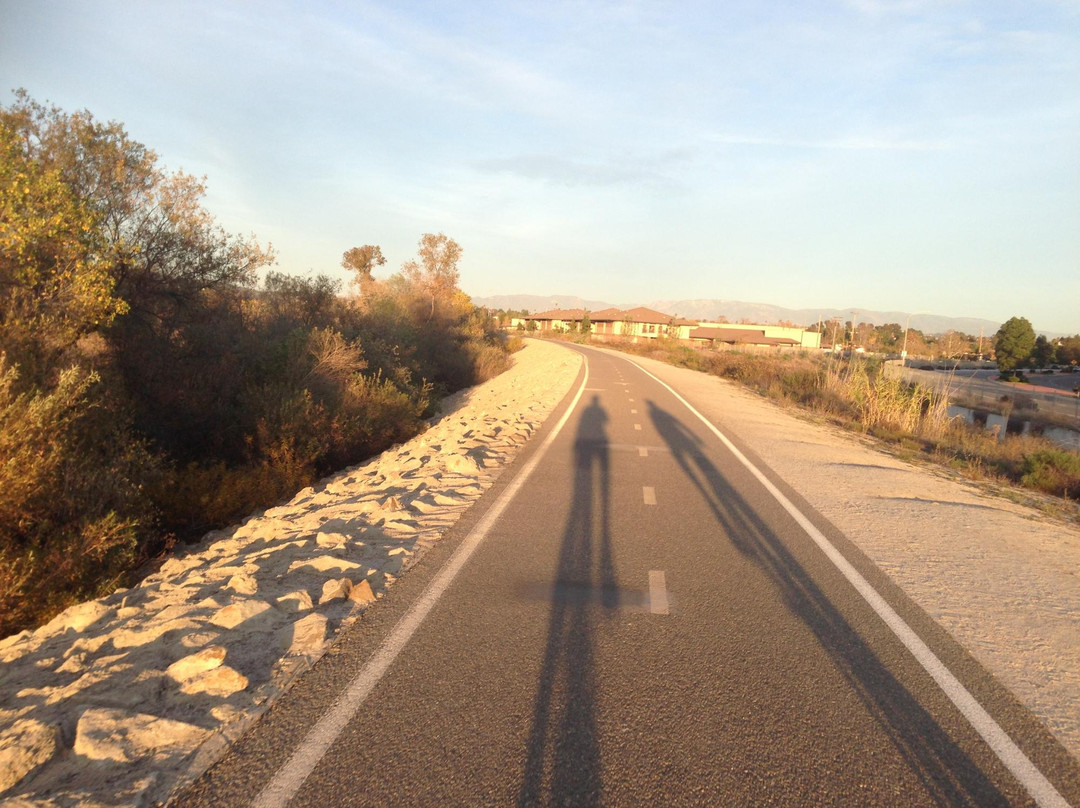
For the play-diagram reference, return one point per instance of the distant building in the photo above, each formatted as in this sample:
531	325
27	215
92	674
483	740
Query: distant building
745	334
645	323
637	322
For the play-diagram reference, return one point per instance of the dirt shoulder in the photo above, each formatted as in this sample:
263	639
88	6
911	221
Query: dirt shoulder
1001	578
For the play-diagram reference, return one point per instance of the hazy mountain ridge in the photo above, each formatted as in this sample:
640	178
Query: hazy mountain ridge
735	310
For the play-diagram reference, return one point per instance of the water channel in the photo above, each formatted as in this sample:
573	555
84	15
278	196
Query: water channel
1017	425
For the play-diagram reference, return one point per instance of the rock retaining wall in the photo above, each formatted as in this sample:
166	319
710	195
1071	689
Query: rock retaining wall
122	699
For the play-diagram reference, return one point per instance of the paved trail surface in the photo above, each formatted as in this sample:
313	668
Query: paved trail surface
640	622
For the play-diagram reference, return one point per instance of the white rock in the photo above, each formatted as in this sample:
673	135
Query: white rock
335	589
236	613
222	681
75	663
15	646
194	664
306	635
175	566
243	584
198	639
286	547
425	505
77	617
226	713
330	539
24	746
115	735
461	464
324	563
134	638
361	592
298	601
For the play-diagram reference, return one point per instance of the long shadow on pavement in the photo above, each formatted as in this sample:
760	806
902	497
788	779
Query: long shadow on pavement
562	764
949	775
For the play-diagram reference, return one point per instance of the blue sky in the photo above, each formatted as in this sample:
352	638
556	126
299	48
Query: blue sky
914	155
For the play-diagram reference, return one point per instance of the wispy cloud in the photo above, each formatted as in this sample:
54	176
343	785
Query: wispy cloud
850	143
879	8
563	171
414	55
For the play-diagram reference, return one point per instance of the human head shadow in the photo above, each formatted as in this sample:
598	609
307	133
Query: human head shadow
949	775
562	765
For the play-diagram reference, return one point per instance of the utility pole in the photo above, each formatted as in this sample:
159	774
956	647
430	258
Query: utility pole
980	341
854	317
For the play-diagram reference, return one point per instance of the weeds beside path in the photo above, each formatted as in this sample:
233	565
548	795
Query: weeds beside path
909	420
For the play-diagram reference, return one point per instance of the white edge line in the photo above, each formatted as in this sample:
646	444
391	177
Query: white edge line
290	777
658	599
1041	789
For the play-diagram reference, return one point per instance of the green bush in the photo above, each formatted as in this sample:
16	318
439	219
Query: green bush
73	511
1053	471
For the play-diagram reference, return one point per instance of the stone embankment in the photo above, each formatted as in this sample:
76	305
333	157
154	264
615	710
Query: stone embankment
119	701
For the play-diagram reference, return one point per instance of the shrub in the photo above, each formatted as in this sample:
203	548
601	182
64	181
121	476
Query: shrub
72	507
488	361
1053	471
219	398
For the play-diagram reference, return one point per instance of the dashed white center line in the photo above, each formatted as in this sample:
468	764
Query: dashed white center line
633	412
637	427
642	451
649	493
658	600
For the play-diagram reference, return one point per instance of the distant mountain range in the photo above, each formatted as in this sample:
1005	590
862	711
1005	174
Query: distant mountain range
735	310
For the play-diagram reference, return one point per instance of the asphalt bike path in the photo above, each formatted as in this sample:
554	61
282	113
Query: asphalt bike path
635	618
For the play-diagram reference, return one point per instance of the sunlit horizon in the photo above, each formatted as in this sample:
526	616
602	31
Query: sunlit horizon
892	156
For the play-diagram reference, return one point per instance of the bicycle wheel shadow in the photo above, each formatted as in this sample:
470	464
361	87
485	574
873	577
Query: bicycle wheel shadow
950	776
563	765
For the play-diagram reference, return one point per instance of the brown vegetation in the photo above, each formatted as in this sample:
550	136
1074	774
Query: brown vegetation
151	389
856	395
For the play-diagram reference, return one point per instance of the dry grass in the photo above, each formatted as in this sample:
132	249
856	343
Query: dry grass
858	396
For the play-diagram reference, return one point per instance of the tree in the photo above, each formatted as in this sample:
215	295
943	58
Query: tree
1013	344
889	336
162	247
952	344
1043	353
362	262
179	276
1068	350
435	275
918	344
300	301
54	285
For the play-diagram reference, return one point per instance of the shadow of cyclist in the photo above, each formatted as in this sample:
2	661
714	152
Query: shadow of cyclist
563	756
